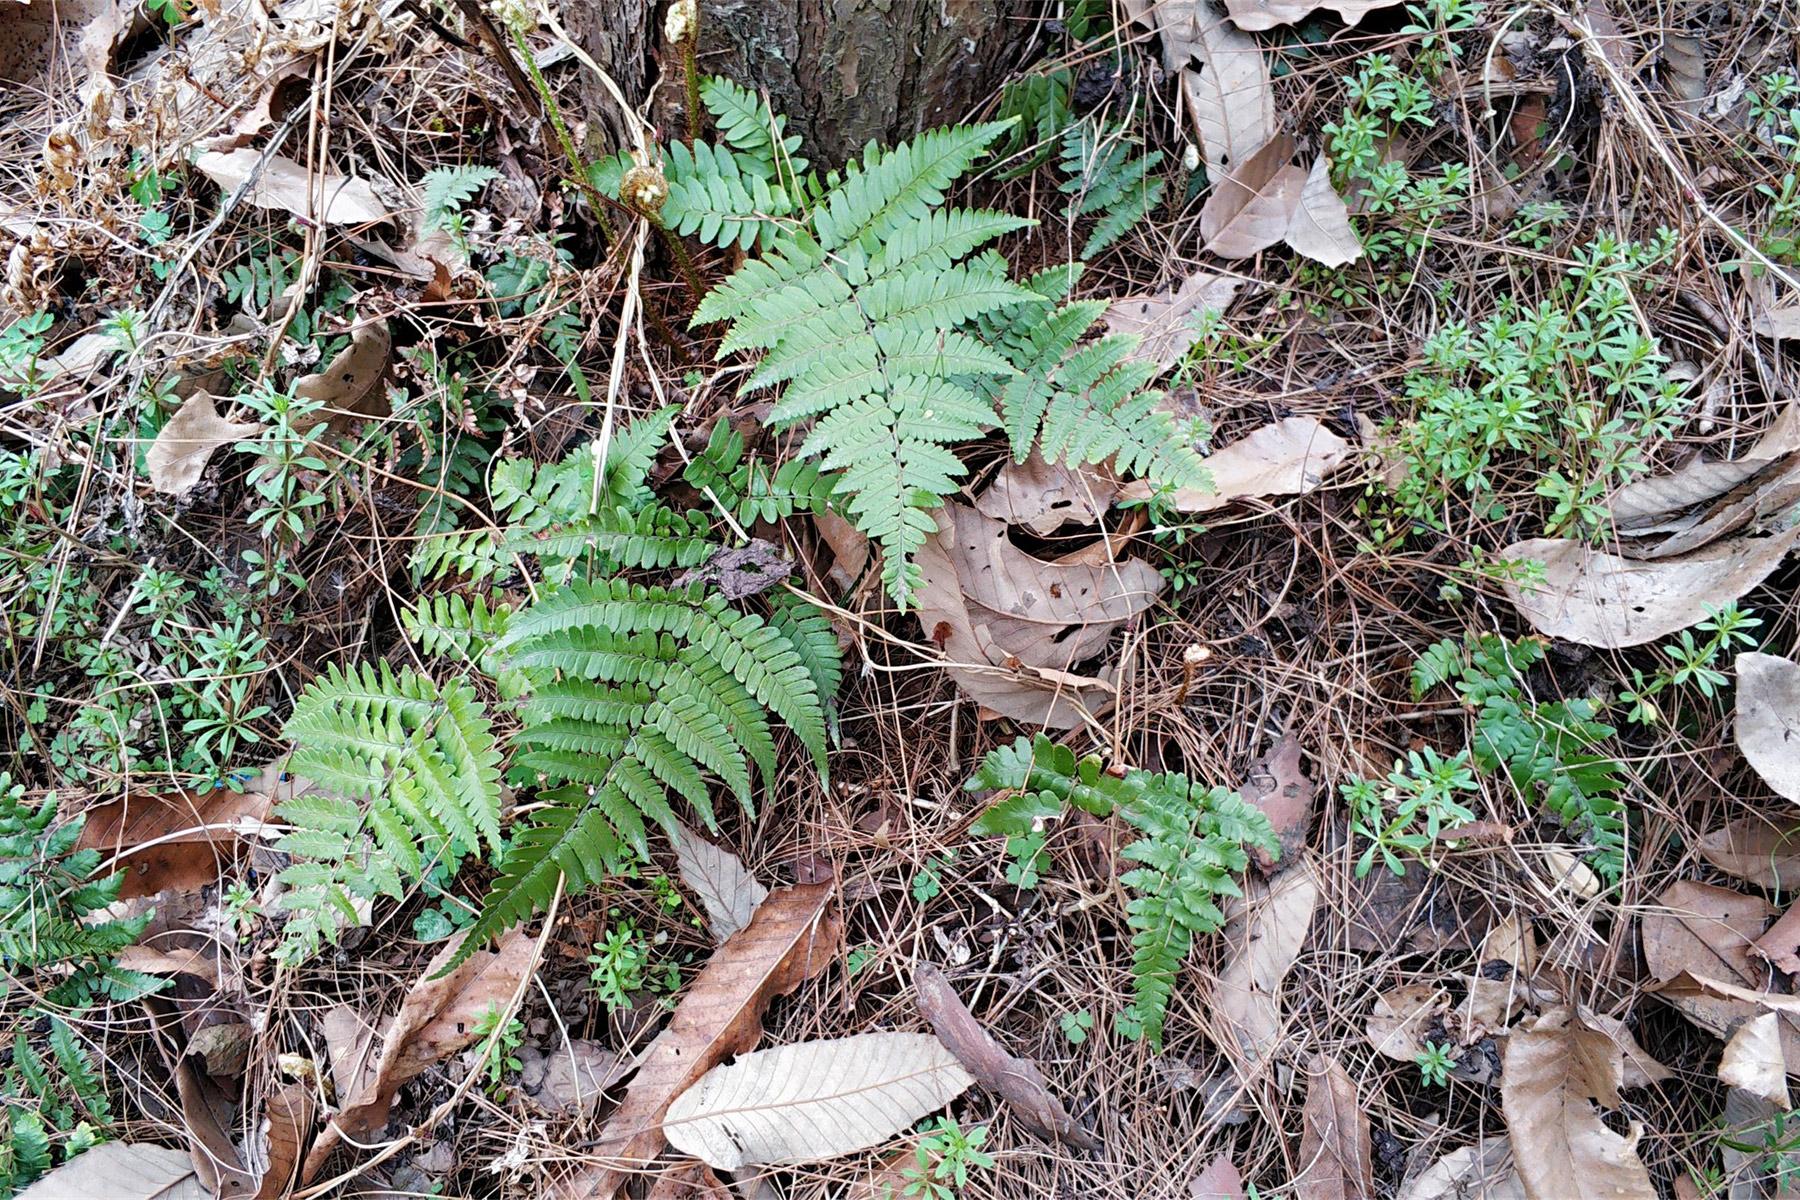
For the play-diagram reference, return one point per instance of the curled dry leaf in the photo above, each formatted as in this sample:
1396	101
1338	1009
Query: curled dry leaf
1334	1138
283	184
1553	1071
1289	458
1649	505
1400	1018
1484	1170
121	1171
1014	628
792	938
1758	850
178	456
1768	719
288	1119
1753	1060
1503	968
727	892
1780	943
813	1101
1015	1080
1257	15
437	1018
181	840
1218	1181
1601	599
1225	84
1165	321
1044	496
1262	939
1251	208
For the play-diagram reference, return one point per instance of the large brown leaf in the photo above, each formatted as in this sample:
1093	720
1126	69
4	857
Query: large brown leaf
1768	719
1483	1171
1258	15
281	183
1757	850
1334	1138
178	456
437	1018
1015	628
1165	321
1262	939
1289	458
182	840
792	938
1251	208
1225	84
1552	1071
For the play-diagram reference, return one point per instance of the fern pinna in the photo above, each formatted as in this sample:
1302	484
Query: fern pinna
403	772
637	695
1192	850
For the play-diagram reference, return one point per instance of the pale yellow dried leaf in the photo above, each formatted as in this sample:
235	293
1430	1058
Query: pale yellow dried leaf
1252	207
1753	1060
1289	458
1601	599
1165	321
121	1171
1768	719
178	456
813	1101
1320	226
1225	84
1262	939
1257	15
1045	496
1401	1016
350	385
285	185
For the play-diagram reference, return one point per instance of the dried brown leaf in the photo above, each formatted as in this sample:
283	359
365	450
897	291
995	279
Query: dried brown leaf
1015	1080
1016	629
1504	965
178	456
1225	84
1262	939
121	1171
1753	1060
285	185
1257	15
289	1120
1335	1147
1320	227
1483	1171
727	892
180	840
1757	850
571	1078
1400	1018
1218	1181
1645	505
1165	321
350	386
1044	496
1781	323
1768	719
1563	1151
1289	458
1279	786
1780	943
792	937
1601	599
1253	207
1704	933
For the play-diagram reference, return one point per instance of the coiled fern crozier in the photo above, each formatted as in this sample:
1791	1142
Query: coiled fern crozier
637	695
1192	852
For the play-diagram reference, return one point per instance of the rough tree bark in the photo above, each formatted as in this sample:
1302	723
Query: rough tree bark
843	71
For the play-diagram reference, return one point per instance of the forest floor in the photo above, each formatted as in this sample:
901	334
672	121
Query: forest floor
341	336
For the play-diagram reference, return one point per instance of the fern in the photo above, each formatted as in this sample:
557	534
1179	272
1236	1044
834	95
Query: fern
49	899
1549	749
56	1109
753	129
638	696
1191	852
748	489
405	773
447	189
1108	181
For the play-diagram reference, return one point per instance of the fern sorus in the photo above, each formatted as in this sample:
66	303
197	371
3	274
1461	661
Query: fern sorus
1193	849
1551	750
404	774
638	695
49	900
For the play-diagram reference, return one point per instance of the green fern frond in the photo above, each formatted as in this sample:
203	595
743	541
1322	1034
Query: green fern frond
747	488
406	772
1192	851
752	128
1107	180
447	189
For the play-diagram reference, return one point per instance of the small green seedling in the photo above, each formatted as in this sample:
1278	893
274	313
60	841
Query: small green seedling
1075	1026
946	1155
1435	1064
505	1039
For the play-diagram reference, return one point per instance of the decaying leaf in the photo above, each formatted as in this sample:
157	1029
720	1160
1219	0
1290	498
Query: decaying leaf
1647	505
1044	496
1503	966
1257	15
1320	227
1484	1171
792	937
289	1121
1218	1181
1601	599
181	840
727	892
1279	786
1780	943
206	1122
437	1018
571	1078
1400	1018
1768	719
1225	83
813	1101
1753	1060
1781	324
1015	628
1758	850
178	456
1706	933
1334	1138
1262	939
1251	208
1553	1070
281	183
1015	1080
350	384
35	38
121	1171
1165	321
1289	458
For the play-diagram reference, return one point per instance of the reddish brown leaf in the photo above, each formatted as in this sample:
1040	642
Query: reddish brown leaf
791	939
1781	943
1335	1147
1758	850
290	1116
1219	1181
181	840
1015	1080
1278	785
